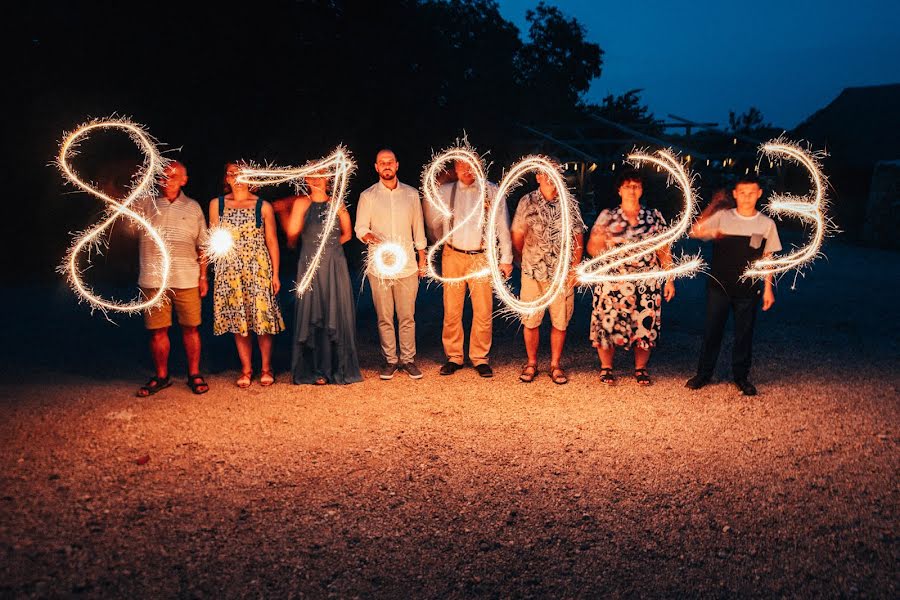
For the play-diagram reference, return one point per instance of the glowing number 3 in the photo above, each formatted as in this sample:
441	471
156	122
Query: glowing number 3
338	165
433	196
151	170
811	211
605	266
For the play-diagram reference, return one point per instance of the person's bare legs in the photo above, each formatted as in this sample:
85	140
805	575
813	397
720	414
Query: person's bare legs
606	357
641	358
265	350
557	341
191	338
532	339
245	352
159	350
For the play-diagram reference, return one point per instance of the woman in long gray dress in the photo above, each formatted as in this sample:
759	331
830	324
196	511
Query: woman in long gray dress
325	315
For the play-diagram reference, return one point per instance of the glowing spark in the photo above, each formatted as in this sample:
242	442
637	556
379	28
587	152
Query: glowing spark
558	281
219	244
145	180
810	210
339	165
605	266
432	192
388	259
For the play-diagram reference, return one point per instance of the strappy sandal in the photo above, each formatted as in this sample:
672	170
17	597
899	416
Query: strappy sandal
529	372
606	376
156	384
558	376
321	381
197	384
244	380
642	377
266	378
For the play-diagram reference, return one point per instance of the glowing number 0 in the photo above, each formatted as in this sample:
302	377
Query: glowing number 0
338	165
560	274
433	196
146	178
811	211
605	266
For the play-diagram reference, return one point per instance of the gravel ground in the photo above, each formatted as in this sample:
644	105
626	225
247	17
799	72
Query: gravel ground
458	486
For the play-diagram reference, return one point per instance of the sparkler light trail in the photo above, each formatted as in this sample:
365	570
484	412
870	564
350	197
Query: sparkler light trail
605	267
339	166
558	281
810	210
219	244
92	239
388	259
432	192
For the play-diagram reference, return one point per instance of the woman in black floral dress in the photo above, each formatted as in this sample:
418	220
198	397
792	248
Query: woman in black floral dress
627	314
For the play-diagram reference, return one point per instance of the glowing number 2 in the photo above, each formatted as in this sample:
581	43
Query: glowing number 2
605	266
435	198
338	165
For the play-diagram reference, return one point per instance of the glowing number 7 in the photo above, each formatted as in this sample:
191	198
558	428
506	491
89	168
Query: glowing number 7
338	165
605	266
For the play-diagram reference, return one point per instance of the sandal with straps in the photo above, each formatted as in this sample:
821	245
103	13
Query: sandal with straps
606	376
266	378
156	384
529	372
244	380
642	377
197	384
558	376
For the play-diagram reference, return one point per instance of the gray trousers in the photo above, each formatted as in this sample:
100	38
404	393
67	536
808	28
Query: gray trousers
390	296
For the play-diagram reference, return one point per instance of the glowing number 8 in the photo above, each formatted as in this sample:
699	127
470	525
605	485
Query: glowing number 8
605	266
558	281
338	165
433	196
151	170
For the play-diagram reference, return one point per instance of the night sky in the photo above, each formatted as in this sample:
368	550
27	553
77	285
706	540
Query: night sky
700	59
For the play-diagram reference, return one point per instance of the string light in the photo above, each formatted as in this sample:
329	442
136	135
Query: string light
808	209
339	165
605	267
152	169
432	193
559	278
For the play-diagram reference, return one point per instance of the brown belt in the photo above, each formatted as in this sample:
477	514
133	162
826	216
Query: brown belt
465	251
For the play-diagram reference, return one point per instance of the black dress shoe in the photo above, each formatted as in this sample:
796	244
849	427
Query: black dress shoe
747	388
696	382
485	370
450	367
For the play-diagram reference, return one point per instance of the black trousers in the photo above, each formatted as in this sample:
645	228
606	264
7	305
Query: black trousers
718	305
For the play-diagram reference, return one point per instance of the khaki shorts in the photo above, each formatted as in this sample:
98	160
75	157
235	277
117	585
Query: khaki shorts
561	308
187	307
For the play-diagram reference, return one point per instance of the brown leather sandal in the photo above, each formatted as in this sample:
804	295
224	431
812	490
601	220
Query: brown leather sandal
529	372
558	376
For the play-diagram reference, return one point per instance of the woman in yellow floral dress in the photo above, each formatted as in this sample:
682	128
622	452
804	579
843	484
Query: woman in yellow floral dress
245	296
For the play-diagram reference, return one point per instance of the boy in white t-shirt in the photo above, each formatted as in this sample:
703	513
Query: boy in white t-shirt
740	236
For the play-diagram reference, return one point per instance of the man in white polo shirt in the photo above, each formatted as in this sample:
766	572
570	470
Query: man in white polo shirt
181	223
462	254
390	211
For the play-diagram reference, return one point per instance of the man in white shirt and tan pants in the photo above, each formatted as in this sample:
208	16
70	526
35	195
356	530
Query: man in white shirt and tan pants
390	211
463	254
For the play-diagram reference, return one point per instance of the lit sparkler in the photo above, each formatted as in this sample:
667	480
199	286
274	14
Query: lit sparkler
388	259
219	244
558	281
809	209
339	165
432	192
93	238
605	267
